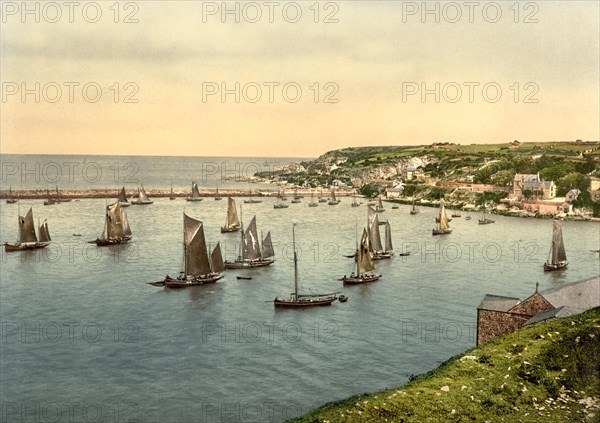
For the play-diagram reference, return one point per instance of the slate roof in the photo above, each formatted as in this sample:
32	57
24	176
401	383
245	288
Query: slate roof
577	297
545	315
498	303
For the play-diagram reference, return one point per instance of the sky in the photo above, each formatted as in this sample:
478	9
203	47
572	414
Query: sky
293	79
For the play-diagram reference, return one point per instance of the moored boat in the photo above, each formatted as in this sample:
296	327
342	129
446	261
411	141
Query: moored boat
232	222
557	258
116	228
142	198
364	264
195	193
251	254
443	227
28	240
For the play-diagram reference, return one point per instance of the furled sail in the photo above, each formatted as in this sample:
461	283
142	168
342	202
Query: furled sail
44	232
267	247
443	218
217	259
232	217
27	228
558	246
333	196
122	195
373	230
114	225
365	263
388	236
196	255
195	190
251	247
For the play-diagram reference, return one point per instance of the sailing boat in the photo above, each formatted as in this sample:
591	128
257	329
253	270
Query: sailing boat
171	195
297	199
484	220
217	198
379	208
334	201
443	227
116	230
195	193
280	204
232	222
251	254
321	199
354	202
312	203
375	247
364	263
251	200
60	199
27	237
298	300
414	209
11	199
197	268
557	259
142	199
51	200
123	198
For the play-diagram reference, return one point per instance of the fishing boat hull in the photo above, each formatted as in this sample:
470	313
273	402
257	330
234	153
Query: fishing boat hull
355	204
280	206
11	201
456	215
296	201
395	207
252	201
549	267
382	256
413	212
357	280
193	199
106	242
313	204
486	221
124	204
441	231
437	220
343	298
248	264
24	246
218	198
304	301
225	230
142	203
198	280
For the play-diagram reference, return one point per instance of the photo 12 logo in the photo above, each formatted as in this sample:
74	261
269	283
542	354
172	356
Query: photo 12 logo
69	92
469	11
270	12
454	92
55	412
69	11
254	92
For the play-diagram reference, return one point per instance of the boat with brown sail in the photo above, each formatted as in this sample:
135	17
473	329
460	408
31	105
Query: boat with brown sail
28	239
557	258
414	210
443	227
11	199
232	222
297	300
484	220
364	264
116	227
333	201
379	208
123	198
251	253
198	268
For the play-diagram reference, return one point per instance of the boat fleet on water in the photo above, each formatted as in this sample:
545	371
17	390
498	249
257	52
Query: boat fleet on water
201	266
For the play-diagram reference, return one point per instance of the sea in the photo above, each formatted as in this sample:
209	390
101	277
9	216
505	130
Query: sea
85	338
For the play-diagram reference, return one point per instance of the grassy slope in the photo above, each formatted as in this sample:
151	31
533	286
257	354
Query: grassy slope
546	373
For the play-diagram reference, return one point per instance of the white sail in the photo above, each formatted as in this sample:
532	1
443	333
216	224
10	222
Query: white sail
388	236
558	246
114	225
195	190
142	196
373	230
443	218
232	217
44	232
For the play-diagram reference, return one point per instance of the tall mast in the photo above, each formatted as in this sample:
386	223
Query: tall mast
295	262
357	251
242	231
184	248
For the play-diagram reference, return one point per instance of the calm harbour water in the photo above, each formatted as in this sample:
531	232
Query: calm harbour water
84	338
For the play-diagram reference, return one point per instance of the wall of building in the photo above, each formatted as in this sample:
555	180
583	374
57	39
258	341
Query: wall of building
493	324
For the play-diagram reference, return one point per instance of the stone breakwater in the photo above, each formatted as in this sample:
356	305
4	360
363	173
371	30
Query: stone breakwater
112	193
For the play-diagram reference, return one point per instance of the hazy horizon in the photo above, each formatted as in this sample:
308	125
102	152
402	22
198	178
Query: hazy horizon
293	79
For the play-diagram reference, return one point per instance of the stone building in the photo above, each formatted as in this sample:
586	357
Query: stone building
532	182
499	315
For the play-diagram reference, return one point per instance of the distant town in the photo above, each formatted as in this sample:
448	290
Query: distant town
553	179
